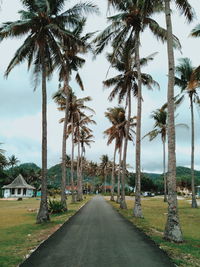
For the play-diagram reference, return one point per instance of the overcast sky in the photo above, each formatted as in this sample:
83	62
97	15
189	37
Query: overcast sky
20	107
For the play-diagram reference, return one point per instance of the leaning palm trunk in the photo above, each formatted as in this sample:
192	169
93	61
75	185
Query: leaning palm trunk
123	201
172	229
164	173
43	214
72	165
64	162
119	174
194	202
80	193
137	207
113	175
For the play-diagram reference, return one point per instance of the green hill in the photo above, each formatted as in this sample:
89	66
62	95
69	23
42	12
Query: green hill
29	166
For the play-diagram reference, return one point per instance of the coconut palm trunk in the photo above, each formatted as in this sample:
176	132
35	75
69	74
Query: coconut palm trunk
64	161
72	164
172	229
123	200
105	179
164	171
80	193
194	202
43	214
113	175
119	174
137	211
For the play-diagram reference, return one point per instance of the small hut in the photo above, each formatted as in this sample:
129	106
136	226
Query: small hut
18	188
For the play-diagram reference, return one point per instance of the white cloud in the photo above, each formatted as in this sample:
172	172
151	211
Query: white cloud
20	108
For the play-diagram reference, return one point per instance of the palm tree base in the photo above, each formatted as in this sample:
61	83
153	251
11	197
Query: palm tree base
74	198
123	204
165	199
194	203
112	198
137	211
118	199
43	215
173	233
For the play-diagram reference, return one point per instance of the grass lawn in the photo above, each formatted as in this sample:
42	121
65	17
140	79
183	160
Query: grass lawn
19	234
155	212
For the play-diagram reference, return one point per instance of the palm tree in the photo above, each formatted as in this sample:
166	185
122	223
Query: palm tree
116	132
44	24
86	138
81	126
72	62
125	84
13	161
104	165
134	18
184	79
76	114
160	128
172	229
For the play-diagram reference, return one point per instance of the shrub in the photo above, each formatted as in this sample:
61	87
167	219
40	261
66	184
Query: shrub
55	206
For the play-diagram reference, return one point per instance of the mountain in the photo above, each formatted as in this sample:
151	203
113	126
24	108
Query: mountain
29	166
183	175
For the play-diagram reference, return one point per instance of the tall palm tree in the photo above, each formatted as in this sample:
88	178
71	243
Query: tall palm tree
125	84
72	62
86	138
104	165
134	18
116	132
81	126
160	128
172	229
44	24
184	79
77	108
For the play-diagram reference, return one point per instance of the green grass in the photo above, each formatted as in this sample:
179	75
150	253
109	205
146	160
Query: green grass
19	233
153	223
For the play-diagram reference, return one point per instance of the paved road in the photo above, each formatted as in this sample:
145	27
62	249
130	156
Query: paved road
97	236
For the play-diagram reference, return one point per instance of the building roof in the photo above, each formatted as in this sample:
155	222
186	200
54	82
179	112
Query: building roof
19	182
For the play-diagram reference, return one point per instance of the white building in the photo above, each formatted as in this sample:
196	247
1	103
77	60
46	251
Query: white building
18	188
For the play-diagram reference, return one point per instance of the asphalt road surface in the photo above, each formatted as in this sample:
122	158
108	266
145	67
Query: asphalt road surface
97	236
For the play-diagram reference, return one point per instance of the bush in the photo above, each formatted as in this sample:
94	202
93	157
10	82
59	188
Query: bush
55	206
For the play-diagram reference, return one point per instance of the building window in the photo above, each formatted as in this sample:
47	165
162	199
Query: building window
13	191
24	191
19	191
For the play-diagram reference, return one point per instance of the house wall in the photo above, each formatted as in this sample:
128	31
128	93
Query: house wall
6	193
18	192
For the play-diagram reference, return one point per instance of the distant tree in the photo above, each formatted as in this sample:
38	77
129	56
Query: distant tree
160	128
104	165
13	161
188	82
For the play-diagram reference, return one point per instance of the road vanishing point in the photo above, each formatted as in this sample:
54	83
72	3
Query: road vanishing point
98	236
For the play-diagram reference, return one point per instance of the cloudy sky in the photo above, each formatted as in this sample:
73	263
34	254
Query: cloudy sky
20	107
